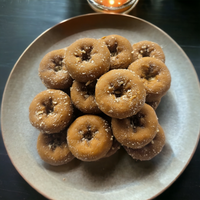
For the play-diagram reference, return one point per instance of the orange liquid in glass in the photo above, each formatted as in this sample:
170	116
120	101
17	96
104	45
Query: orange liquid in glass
111	3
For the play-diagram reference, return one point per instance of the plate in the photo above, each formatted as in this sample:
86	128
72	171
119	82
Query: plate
118	177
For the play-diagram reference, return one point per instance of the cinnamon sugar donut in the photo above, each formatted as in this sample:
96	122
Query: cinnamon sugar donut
147	49
150	150
83	98
50	111
136	131
89	138
155	76
53	148
120	51
53	72
119	93
87	59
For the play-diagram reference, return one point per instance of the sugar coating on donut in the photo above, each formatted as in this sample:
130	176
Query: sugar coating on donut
155	76
50	111
89	138
147	49
150	150
138	130
53	148
83	97
53	71
87	59
119	93
120	51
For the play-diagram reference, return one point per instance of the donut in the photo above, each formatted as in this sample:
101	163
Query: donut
155	76
53	148
83	98
119	93
150	150
114	148
53	72
87	59
120	51
89	138
147	49
154	104
50	111
138	130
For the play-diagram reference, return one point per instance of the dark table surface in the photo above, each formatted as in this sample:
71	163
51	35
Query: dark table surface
21	21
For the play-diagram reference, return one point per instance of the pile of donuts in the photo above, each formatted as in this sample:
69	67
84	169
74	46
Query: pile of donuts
101	95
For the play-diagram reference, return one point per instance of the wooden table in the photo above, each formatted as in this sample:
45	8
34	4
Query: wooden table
21	21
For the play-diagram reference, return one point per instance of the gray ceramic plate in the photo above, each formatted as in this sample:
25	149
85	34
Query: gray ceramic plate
118	177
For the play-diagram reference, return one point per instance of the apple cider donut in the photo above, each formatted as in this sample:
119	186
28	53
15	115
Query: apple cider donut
119	93
147	49
150	150
50	111
138	130
83	98
53	72
53	148
87	59
89	138
155	76
120	51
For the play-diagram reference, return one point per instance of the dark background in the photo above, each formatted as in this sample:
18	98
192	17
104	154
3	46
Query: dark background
21	21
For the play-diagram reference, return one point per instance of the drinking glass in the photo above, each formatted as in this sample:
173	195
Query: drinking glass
112	6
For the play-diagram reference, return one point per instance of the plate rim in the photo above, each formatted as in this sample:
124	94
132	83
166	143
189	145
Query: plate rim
71	19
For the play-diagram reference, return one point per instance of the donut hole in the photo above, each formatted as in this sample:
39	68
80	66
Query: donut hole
55	140
145	51
118	92
88	134
89	89
86	53
49	107
137	121
149	73
112	46
58	64
120	89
